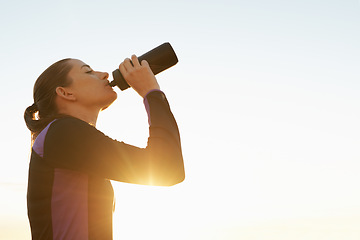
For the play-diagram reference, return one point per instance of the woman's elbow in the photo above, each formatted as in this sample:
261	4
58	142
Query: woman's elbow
171	178
177	180
178	173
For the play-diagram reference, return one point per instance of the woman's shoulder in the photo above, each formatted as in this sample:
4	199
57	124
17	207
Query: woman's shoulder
63	126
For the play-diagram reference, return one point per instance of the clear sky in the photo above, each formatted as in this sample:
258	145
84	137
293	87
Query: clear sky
266	95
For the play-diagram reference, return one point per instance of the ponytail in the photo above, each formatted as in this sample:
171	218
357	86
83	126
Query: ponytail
30	117
33	122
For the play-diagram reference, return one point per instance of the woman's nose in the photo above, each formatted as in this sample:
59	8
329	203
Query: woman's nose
104	75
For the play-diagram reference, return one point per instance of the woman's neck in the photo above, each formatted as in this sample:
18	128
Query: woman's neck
87	115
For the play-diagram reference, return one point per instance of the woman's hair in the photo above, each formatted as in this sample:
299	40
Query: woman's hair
44	110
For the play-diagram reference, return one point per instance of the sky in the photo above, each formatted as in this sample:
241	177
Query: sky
265	93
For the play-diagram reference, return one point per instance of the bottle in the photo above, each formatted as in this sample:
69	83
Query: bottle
159	59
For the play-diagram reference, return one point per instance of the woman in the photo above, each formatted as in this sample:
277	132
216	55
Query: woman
69	191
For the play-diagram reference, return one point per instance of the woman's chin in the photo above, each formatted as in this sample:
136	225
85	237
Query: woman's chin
110	102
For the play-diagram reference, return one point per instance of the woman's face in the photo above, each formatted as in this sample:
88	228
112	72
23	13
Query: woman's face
90	88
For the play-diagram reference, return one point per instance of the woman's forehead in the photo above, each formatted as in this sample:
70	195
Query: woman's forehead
77	63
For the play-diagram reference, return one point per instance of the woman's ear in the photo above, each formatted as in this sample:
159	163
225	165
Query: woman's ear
65	94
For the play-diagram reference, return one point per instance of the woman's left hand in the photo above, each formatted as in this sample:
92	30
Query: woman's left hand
138	76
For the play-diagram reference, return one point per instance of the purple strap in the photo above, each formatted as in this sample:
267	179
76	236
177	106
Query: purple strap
146	103
38	145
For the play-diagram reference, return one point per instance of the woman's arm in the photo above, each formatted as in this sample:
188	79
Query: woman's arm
73	144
